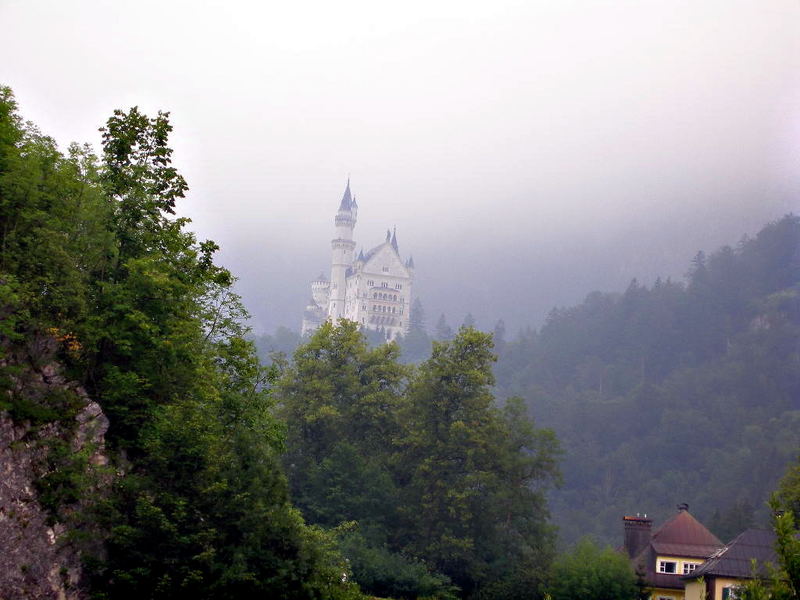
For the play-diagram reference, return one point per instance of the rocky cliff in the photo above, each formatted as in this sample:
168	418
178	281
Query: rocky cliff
39	555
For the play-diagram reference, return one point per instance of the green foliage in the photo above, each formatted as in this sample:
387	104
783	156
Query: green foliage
68	478
390	574
473	478
339	399
592	573
783	582
37	410
93	263
447	489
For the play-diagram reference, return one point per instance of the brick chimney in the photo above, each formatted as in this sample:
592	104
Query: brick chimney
637	534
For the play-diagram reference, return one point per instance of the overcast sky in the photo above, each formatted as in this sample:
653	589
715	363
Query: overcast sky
528	152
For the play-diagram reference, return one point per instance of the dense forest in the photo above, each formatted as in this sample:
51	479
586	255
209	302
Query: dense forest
338	473
347	467
676	392
682	391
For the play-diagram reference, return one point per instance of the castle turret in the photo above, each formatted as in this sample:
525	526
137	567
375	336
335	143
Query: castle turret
342	253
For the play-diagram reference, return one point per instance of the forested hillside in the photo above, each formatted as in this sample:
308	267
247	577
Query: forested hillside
104	292
676	392
403	481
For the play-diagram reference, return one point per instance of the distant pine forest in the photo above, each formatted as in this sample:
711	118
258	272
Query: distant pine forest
685	391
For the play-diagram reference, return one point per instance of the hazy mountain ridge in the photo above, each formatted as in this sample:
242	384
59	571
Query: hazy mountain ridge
677	392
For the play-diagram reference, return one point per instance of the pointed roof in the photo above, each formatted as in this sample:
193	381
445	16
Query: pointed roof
736	559
361	254
410	262
394	239
683	535
388	235
347	198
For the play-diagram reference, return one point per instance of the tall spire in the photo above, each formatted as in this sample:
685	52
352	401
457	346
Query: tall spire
347	199
394	240
388	235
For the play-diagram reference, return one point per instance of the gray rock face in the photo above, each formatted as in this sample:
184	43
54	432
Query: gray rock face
37	559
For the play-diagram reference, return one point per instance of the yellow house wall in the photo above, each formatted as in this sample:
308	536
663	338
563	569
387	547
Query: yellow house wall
655	593
695	590
722	582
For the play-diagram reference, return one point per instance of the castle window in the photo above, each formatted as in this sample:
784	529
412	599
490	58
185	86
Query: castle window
667	566
375	295
363	307
398	286
385	269
384	284
370	283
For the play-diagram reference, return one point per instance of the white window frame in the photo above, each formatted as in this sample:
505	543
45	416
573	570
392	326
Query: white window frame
690	567
662	566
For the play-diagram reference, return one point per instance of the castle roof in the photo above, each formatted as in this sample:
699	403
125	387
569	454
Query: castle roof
394	240
347	199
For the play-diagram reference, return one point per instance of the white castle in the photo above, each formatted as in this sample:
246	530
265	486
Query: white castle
374	290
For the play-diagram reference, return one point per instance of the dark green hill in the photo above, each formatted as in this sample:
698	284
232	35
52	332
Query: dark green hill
677	392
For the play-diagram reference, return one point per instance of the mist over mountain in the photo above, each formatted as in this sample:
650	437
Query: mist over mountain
495	276
527	152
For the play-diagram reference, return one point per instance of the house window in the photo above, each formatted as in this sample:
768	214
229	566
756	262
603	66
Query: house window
730	592
667	566
689	567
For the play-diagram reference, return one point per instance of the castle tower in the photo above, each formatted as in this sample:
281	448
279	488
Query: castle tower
342	254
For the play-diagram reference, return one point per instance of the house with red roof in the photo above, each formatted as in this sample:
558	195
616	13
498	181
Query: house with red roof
663	557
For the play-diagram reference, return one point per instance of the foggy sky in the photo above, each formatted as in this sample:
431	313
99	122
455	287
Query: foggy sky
528	152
